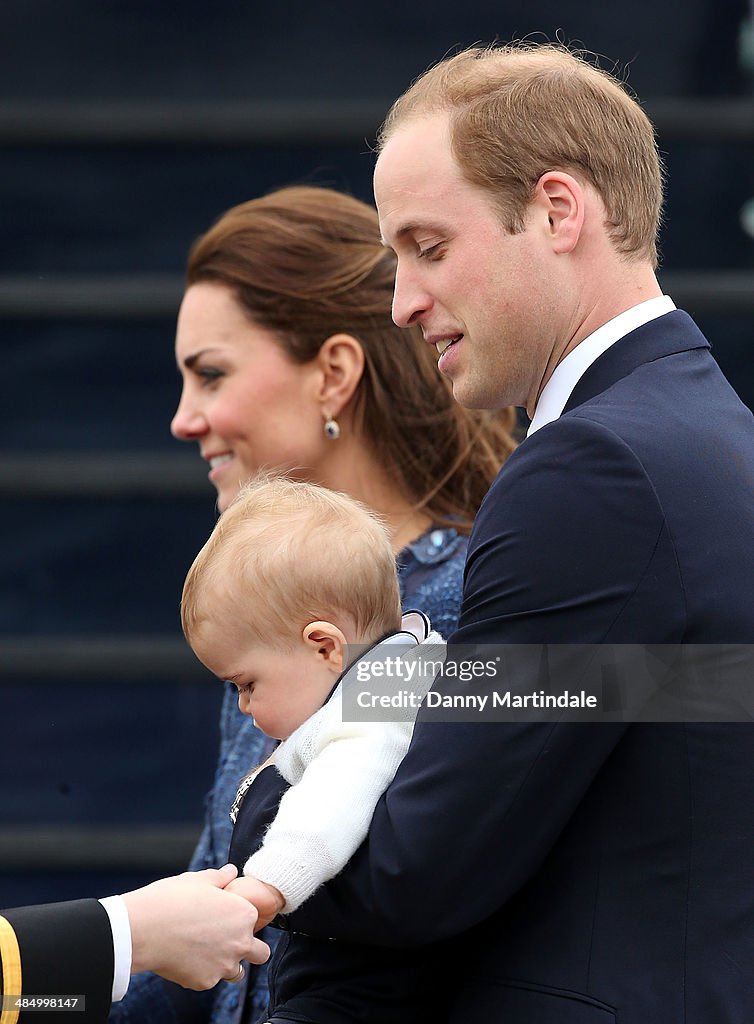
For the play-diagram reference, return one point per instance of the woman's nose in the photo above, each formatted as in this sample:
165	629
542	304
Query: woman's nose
188	423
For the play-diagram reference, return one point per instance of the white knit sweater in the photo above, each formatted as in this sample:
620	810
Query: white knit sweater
337	772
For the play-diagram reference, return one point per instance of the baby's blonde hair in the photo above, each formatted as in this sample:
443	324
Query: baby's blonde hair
286	553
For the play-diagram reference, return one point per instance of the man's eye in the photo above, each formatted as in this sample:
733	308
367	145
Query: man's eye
428	253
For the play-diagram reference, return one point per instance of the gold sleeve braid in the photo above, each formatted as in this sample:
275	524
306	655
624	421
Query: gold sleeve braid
10	959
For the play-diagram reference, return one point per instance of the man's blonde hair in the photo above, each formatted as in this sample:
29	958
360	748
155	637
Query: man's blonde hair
286	553
522	109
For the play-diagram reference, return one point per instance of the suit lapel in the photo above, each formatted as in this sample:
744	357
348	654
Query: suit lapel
667	335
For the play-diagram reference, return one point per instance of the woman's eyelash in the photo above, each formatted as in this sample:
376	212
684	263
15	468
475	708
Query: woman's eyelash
209	373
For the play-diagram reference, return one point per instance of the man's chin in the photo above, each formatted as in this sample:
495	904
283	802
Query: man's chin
478	399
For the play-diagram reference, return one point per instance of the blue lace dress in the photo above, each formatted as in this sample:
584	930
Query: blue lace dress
430	571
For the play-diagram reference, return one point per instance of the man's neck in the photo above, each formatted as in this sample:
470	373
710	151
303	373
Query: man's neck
571	368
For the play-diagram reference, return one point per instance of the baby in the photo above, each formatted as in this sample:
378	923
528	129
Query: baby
294	591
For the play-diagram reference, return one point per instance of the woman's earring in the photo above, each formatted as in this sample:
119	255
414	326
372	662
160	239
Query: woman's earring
332	428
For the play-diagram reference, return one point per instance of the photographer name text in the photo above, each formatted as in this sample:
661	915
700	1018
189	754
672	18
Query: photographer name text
475	701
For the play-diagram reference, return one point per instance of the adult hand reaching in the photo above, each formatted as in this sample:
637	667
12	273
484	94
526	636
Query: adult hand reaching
190	930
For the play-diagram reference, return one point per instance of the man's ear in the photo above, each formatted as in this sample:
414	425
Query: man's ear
561	199
341	364
326	642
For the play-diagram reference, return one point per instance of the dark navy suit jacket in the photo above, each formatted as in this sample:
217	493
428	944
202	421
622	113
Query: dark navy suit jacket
590	872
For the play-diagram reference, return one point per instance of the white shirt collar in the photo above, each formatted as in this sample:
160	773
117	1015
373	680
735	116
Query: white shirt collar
569	371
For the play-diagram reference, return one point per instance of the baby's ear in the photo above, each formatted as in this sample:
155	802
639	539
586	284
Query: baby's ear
326	643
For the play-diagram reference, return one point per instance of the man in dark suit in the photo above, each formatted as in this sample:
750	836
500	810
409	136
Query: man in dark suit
586	871
74	957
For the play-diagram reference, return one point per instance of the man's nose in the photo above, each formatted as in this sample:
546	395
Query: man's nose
410	300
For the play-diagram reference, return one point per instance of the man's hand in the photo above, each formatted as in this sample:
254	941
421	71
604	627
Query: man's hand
268	900
190	930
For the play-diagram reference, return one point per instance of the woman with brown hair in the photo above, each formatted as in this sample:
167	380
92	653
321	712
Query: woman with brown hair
290	361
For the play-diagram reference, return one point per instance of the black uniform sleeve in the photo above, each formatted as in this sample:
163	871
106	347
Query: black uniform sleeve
66	949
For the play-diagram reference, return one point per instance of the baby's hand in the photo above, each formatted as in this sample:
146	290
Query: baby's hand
268	900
